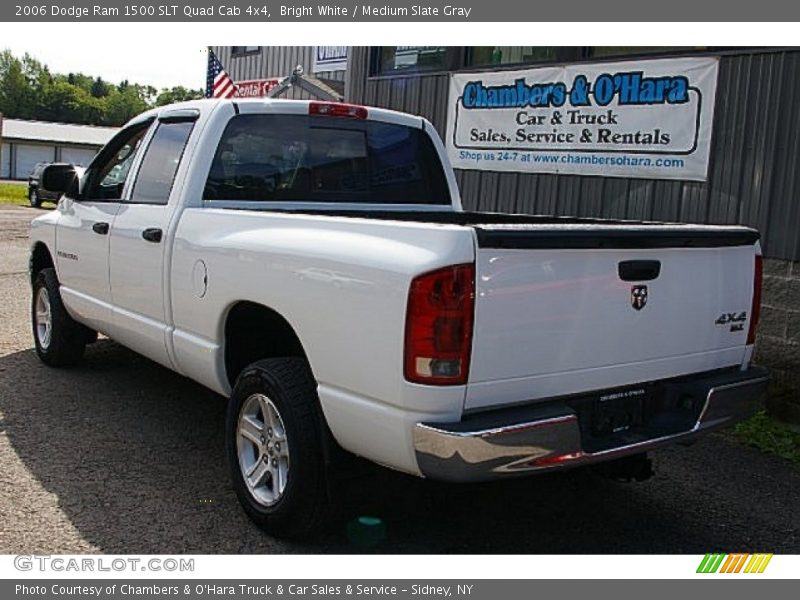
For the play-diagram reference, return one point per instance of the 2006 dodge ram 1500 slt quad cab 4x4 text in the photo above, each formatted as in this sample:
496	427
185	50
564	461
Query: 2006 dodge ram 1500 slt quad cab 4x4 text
312	262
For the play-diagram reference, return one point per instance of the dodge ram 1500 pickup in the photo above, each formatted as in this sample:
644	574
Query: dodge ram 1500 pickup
312	262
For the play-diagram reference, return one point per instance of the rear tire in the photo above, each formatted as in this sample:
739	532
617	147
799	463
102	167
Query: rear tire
274	441
59	339
33	198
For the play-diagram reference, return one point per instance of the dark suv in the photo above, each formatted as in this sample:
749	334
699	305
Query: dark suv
37	195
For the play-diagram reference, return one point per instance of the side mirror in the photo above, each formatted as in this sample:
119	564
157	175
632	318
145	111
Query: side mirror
59	179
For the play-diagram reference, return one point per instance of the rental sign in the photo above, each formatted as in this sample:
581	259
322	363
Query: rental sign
649	118
255	88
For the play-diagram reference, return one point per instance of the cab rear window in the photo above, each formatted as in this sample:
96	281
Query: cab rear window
274	158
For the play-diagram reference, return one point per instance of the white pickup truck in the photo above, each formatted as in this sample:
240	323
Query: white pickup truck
312	262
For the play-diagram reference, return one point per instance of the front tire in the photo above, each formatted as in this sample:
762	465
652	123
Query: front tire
33	198
274	441
59	340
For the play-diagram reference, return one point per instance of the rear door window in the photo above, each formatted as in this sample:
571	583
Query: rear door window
325	159
160	163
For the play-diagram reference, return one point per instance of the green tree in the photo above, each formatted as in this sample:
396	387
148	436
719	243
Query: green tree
28	90
70	104
177	94
121	106
99	88
85	82
17	95
36	73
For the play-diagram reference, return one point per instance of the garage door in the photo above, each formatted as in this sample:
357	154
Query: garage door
29	155
5	161
77	156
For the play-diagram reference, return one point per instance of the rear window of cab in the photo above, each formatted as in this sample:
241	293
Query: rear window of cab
274	158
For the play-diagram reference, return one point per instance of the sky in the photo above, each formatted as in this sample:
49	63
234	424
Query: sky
160	64
169	54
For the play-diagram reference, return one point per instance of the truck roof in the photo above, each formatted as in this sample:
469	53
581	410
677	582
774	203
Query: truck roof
280	106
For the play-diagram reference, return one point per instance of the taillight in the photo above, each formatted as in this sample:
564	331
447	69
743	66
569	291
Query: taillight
337	109
755	309
439	326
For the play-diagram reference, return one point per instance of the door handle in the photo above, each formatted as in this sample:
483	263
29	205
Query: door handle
152	234
639	270
101	228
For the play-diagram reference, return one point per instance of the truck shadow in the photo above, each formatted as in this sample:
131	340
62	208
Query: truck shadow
134	454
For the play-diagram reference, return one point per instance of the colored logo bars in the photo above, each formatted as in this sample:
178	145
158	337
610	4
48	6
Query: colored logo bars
734	563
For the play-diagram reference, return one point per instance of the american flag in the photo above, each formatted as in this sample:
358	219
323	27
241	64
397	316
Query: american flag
218	83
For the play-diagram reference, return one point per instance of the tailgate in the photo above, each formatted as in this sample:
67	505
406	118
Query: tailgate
567	309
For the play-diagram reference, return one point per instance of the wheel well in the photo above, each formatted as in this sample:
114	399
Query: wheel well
40	259
254	332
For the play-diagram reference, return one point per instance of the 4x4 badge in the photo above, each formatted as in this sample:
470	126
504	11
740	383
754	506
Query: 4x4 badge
638	296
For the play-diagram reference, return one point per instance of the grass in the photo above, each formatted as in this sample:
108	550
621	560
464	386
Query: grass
769	436
14	193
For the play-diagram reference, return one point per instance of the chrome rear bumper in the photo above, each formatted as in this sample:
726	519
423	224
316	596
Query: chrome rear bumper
548	434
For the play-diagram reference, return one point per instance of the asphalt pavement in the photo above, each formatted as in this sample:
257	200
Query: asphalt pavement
120	455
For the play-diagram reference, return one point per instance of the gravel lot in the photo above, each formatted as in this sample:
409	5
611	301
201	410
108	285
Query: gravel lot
119	455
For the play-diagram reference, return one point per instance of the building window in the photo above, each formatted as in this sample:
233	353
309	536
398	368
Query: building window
237	51
484	56
403	59
623	51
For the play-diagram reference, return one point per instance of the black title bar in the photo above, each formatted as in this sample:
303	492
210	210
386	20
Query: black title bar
434	11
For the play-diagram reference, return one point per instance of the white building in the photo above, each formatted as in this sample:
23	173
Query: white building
25	143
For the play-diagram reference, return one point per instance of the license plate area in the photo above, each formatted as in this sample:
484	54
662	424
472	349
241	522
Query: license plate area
620	417
617	412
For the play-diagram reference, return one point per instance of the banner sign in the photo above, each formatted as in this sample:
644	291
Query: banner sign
254	88
330	58
649	118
